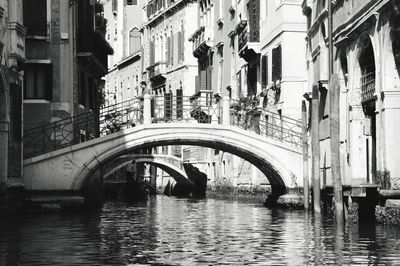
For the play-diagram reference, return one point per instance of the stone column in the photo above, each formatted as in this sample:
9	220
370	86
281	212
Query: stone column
226	114
147	109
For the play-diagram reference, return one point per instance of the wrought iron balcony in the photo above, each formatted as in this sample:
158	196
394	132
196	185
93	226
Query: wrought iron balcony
249	40
202	41
367	87
157	70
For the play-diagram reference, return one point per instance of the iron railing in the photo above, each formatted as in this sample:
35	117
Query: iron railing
60	134
367	87
266	123
202	108
115	117
82	127
174	108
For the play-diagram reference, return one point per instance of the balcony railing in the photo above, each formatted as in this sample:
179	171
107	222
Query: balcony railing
367	87
243	38
202	40
157	69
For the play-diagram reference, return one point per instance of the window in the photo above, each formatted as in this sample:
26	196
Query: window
239	83
114	5
264	71
276	63
38	81
131	2
36	19
181	45
171	50
134	41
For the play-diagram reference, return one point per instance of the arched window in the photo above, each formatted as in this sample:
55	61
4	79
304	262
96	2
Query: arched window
134	40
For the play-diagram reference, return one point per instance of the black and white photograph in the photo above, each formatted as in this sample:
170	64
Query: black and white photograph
199	132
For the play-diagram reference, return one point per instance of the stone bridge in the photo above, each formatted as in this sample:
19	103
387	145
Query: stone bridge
270	142
70	168
172	165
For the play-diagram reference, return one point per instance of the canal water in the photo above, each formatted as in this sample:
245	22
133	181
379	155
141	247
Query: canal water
168	231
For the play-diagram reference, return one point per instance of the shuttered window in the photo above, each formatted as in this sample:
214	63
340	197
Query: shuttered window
264	73
152	53
277	63
180	48
134	41
35	17
172	49
182	44
168	51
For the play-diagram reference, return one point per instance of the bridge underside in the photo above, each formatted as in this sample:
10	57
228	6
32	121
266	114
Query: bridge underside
175	169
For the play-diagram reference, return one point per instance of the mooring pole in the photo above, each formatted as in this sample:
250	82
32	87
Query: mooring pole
305	155
315	149
334	118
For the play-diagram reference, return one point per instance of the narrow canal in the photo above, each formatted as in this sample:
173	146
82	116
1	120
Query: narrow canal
167	231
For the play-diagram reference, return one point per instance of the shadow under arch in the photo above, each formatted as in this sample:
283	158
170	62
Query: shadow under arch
278	175
157	160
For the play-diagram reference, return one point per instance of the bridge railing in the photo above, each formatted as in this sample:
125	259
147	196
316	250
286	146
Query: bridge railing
115	117
168	108
82	127
266	123
60	134
201	108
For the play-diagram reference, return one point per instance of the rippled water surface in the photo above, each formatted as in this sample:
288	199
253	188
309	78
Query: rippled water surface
192	232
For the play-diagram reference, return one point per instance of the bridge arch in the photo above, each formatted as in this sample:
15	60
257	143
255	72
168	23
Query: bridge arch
280	164
170	164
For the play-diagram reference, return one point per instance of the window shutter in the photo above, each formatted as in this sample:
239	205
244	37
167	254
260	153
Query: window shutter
172	48
179	45
49	82
36	19
276	63
183	44
168	50
264	67
152	58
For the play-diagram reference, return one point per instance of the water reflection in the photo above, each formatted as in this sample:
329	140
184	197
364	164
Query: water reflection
192	232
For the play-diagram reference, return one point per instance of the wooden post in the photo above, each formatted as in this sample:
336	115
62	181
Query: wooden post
305	154
334	118
315	149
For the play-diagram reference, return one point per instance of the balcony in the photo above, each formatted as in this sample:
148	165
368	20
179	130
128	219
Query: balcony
202	41
16	54
92	47
157	71
249	41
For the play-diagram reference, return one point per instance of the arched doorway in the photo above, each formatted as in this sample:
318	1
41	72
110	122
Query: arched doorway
366	60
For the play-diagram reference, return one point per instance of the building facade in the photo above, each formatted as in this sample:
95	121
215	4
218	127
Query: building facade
252	51
169	66
125	19
66	54
12	59
366	57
